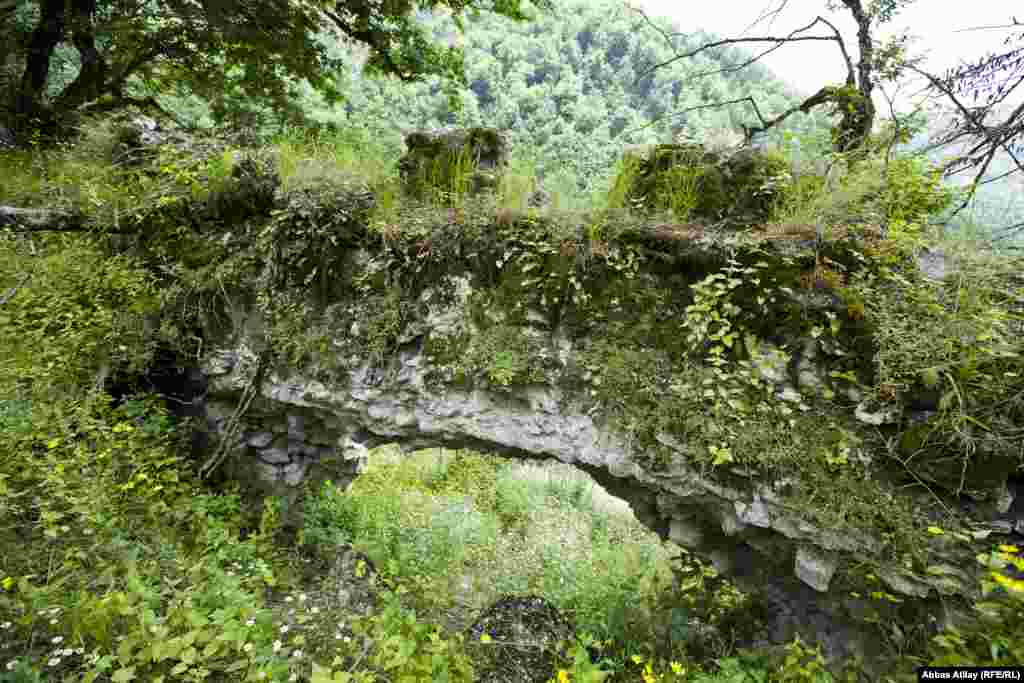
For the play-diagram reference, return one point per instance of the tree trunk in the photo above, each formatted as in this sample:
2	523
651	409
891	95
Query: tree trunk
89	83
858	118
47	34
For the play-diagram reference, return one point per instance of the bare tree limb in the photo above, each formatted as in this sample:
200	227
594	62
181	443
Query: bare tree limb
994	138
781	40
854	101
14	290
711	105
21	220
770	14
1014	24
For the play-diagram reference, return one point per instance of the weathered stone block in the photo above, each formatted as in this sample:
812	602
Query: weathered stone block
275	456
815	568
711	186
259	439
470	159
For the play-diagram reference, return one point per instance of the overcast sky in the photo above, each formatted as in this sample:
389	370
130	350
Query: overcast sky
938	24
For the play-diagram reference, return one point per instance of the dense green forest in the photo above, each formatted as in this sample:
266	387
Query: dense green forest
570	86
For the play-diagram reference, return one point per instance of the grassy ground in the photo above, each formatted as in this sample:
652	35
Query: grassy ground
471	529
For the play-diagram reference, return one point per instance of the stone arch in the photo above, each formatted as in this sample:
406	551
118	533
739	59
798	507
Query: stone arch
301	429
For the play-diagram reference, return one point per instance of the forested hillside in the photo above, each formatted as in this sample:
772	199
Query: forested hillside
572	86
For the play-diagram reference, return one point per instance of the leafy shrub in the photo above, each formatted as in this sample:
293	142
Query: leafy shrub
75	309
21	672
968	367
996	638
474	473
405	649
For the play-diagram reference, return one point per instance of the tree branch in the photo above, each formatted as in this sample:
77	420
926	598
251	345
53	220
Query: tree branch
20	220
781	40
372	39
994	137
89	82
712	105
817	99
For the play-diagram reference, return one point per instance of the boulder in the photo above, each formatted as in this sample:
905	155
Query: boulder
454	160
136	140
525	633
701	185
7	138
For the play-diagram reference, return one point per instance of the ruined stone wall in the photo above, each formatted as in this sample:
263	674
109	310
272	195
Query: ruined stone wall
534	305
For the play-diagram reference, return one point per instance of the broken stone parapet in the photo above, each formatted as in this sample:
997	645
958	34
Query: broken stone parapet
455	159
739	185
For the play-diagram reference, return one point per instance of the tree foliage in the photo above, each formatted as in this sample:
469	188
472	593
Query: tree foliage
120	52
570	86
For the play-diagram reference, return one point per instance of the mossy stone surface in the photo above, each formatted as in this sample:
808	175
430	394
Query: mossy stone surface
741	186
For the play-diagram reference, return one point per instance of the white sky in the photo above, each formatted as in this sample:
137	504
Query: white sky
808	65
